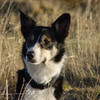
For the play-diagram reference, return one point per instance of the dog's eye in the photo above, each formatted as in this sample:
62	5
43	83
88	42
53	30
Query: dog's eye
46	41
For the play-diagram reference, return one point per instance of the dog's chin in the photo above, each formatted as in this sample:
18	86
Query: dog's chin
36	62
33	62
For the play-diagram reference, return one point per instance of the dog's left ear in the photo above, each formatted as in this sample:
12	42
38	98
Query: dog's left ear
27	24
61	27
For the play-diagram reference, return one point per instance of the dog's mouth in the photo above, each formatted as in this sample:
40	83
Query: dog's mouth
31	61
35	62
44	61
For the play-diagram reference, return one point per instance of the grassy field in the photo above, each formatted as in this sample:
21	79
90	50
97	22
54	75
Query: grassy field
82	68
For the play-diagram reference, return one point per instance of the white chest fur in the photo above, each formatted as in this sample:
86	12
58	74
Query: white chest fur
43	73
37	94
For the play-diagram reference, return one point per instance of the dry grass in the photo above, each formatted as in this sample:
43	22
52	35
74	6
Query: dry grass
82	46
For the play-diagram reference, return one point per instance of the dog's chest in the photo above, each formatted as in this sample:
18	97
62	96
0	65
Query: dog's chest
37	94
44	74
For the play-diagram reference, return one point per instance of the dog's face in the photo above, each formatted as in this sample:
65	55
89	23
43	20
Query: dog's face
43	43
39	45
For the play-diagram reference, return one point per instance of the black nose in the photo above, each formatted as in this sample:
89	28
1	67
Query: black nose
30	55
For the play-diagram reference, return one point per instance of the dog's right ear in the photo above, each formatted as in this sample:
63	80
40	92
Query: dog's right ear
27	24
61	27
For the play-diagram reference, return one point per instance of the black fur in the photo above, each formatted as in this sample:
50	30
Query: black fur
23	75
58	88
27	24
56	34
61	27
20	83
34	84
60	54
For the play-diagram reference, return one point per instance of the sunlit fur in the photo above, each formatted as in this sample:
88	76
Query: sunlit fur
43	54
36	94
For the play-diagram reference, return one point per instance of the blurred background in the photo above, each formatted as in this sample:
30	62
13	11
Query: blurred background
82	68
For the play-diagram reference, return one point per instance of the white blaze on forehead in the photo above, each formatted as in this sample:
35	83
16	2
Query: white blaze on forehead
37	50
31	48
38	38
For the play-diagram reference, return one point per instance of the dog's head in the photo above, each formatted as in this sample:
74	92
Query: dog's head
43	43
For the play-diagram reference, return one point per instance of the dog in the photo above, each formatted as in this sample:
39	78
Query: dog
43	55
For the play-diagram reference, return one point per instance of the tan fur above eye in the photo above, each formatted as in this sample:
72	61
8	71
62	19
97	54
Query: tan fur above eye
45	41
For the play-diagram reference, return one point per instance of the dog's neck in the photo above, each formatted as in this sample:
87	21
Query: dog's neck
44	72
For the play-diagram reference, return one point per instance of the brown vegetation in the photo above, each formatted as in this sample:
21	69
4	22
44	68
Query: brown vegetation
82	69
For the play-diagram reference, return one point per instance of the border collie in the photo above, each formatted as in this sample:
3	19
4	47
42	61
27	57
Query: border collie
43	55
